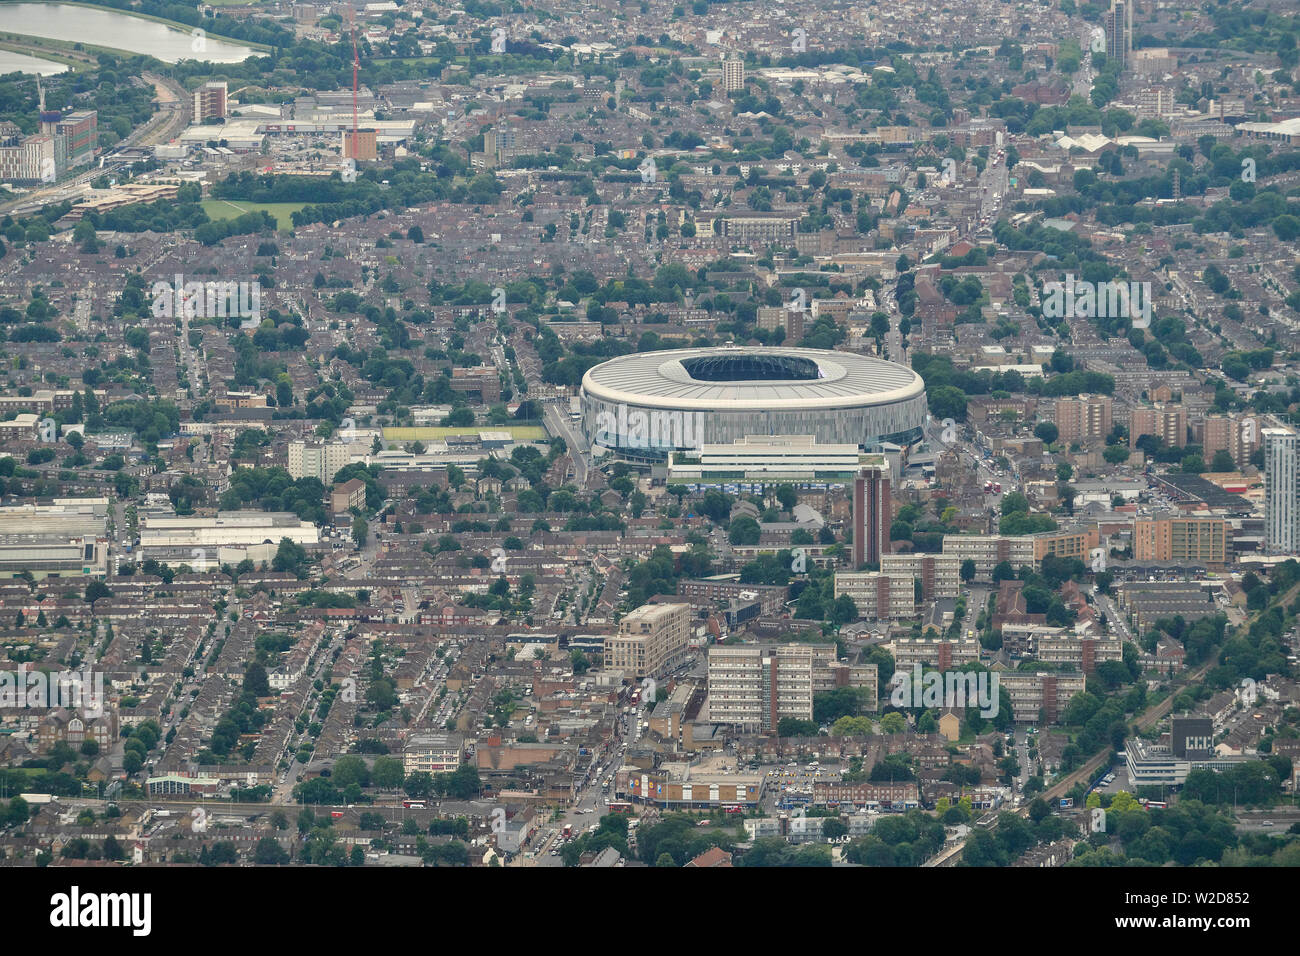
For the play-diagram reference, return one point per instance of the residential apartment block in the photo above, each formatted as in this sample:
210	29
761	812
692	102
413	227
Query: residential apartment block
1166	422
1195	541
939	574
1040	696
1083	416
755	686
1281	491
940	652
879	596
319	460
649	640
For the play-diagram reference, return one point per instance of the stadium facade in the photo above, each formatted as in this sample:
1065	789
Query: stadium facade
643	406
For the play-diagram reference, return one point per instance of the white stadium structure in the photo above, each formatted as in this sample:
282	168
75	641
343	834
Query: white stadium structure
645	405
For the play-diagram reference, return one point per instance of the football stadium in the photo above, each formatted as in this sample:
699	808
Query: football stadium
641	407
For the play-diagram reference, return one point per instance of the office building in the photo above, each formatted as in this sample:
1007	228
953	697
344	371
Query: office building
650	640
1281	491
432	753
872	514
1192	738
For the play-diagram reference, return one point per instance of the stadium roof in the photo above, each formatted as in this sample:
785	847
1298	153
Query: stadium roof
730	378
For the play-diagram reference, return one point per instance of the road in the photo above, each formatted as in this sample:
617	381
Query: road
1088	771
555	416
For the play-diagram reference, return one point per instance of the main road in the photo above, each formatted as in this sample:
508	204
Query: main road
555	416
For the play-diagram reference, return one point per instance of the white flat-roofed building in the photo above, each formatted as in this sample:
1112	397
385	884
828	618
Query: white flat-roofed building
775	459
63	517
879	596
322	460
1281	490
45	556
163	532
432	753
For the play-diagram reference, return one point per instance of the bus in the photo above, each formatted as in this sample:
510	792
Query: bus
733	808
620	806
413	804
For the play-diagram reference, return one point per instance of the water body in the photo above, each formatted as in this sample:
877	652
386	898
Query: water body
119	31
11	62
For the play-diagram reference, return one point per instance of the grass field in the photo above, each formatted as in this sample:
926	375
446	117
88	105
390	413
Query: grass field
424	433
225	209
